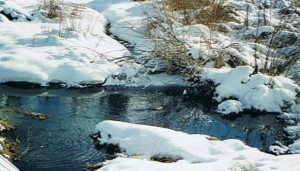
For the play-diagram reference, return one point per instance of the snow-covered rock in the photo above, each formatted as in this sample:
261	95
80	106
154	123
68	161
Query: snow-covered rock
257	32
3	18
284	38
14	10
229	107
278	148
193	152
293	131
256	91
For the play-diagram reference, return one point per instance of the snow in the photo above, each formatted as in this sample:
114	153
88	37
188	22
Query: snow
37	54
293	130
278	149
295	147
5	165
79	52
193	152
3	18
130	28
230	106
13	9
256	91
91	56
295	108
42	58
1	138
146	80
256	32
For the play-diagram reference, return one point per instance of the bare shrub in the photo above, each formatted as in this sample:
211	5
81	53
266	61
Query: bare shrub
175	50
281	63
280	59
215	12
175	53
167	46
219	62
182	4
51	8
68	17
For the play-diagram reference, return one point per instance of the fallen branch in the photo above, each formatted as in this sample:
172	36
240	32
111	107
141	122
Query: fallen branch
41	116
26	151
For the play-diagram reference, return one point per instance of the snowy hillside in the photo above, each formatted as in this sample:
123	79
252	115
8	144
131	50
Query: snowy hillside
74	49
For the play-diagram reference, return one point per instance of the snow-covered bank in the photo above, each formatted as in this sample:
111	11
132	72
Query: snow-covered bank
85	55
251	91
258	91
128	20
37	52
141	143
75	51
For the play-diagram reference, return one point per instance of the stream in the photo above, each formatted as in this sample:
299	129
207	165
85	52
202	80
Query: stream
62	143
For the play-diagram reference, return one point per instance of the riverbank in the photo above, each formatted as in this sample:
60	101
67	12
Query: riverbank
7	147
89	54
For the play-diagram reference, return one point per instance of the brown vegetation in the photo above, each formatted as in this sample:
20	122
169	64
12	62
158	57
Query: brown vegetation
207	12
51	8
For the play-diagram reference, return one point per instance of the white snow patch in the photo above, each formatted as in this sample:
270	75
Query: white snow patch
293	130
230	106
295	147
278	150
147	80
256	91
295	109
34	51
127	19
256	32
3	18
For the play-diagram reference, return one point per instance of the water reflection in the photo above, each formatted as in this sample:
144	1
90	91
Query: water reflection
62	142
117	104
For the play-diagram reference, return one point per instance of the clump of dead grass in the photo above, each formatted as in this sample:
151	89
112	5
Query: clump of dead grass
207	12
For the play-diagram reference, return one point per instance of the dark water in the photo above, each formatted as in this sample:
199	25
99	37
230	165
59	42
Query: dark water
61	143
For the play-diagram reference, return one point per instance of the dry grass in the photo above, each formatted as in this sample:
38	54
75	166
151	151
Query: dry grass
68	15
280	62
167	45
9	148
296	3
51	8
207	12
186	4
219	62
5	126
174	50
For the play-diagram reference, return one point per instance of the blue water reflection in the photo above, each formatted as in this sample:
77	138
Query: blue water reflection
62	143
